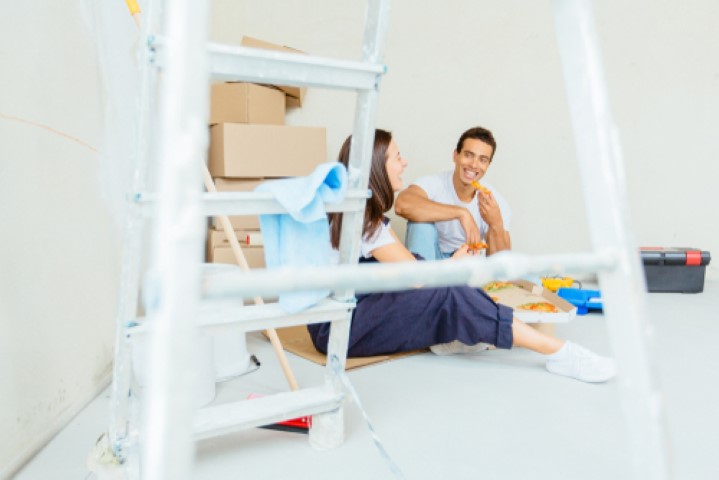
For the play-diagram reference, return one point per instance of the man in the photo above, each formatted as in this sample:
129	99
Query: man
446	211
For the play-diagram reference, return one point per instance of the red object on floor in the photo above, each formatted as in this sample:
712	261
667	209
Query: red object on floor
297	425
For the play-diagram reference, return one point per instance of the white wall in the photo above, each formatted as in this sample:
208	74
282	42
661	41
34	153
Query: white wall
59	261
452	65
462	63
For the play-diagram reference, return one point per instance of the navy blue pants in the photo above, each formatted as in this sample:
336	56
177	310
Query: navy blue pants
384	323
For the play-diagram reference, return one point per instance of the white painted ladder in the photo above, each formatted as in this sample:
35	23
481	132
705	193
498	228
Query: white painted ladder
176	299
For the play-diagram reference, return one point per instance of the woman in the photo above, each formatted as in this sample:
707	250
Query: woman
449	320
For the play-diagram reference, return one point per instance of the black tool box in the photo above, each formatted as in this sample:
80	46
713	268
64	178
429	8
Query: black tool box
678	270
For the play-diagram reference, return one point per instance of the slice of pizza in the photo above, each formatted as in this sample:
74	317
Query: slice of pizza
474	247
481	187
496	286
539	307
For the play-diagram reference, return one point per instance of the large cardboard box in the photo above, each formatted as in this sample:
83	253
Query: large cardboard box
239	150
255	256
246	103
239	222
297	93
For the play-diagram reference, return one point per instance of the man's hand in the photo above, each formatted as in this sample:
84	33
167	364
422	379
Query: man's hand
497	238
470	227
489	209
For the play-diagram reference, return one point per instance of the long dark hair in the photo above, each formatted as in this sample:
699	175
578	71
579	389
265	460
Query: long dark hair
382	193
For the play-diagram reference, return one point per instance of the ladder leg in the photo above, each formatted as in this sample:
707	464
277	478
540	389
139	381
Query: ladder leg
623	288
328	428
119	430
122	430
173	295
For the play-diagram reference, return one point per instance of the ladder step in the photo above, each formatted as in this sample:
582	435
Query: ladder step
376	277
220	314
235	63
250	203
232	417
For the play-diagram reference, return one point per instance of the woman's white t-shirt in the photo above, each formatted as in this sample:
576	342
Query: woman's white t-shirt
382	236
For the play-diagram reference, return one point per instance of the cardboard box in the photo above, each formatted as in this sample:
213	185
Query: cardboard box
674	270
239	222
523	292
246	103
297	340
218	238
255	256
298	93
239	150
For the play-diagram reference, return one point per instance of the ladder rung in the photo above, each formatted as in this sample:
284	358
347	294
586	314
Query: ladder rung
223	313
251	203
232	417
232	313
377	277
235	63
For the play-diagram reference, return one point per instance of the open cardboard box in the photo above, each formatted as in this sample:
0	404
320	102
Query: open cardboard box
295	95
523	292
297	340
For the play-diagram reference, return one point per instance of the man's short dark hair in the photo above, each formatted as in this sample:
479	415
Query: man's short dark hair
478	133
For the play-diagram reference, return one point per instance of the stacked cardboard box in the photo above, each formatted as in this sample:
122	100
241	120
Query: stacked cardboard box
250	143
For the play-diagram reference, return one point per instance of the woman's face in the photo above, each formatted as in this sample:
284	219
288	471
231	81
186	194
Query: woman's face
395	166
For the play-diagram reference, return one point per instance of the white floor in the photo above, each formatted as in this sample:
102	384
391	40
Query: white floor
496	415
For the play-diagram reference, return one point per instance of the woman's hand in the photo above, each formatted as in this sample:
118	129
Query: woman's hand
462	251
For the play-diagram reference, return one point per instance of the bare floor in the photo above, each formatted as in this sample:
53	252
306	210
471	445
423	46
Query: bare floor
496	415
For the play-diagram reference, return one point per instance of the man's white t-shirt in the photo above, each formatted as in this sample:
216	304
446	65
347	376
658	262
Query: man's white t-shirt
439	188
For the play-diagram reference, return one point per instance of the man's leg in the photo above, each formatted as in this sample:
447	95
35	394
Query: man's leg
422	238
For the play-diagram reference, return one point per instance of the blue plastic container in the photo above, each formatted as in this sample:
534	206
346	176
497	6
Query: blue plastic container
584	300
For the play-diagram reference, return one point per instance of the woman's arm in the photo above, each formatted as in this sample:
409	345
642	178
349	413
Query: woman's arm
393	252
397	252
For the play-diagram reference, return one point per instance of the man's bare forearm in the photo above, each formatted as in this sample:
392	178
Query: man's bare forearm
416	208
498	240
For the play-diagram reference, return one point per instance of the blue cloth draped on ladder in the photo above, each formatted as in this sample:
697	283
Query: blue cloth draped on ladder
301	237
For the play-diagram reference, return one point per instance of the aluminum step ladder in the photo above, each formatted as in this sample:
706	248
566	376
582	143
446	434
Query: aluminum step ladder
176	299
155	439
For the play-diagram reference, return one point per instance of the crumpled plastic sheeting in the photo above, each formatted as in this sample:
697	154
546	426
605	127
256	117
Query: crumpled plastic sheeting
117	43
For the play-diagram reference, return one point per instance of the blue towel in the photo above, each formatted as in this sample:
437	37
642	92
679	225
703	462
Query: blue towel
301	237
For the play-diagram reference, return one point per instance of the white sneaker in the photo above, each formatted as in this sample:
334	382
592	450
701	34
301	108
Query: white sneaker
582	364
455	347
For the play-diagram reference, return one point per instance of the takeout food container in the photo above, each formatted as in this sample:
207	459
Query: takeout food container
522	292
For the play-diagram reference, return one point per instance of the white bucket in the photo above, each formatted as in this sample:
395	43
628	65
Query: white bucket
204	375
230	345
230	352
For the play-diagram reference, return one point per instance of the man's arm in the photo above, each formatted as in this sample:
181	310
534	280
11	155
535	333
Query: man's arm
497	237
414	205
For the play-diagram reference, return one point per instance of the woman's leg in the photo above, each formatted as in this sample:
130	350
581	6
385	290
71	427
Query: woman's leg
527	337
564	358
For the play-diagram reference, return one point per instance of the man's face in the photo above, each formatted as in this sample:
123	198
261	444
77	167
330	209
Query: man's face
473	161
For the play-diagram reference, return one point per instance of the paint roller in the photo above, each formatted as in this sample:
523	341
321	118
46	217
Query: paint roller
134	11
